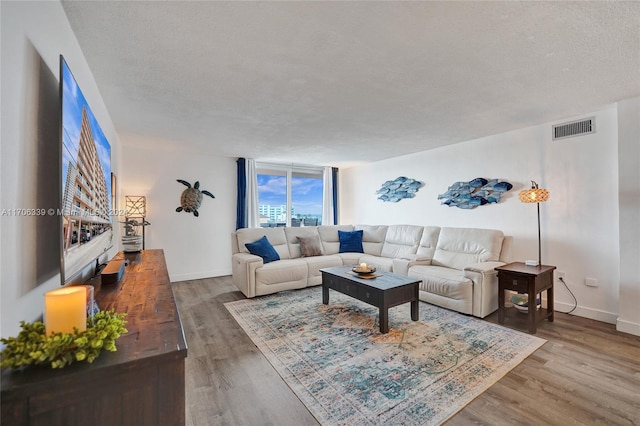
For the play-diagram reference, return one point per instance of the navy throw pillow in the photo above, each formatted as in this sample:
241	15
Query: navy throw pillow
350	241
264	249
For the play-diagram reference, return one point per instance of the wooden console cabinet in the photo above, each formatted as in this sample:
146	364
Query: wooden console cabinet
142	383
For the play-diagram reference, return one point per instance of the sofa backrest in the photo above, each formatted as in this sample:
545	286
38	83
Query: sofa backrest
401	239
428	242
373	237
292	233
459	247
276	237
329	237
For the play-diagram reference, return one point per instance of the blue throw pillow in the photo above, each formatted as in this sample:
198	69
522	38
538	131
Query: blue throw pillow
264	249
350	241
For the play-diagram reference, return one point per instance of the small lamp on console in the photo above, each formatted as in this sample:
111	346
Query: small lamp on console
535	195
136	210
136	206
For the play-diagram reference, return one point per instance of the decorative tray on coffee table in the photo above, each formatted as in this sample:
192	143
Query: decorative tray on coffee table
360	271
368	272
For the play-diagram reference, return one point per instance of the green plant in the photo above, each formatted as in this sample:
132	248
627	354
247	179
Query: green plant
33	346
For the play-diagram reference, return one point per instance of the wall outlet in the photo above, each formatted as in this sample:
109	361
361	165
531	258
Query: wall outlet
560	274
591	282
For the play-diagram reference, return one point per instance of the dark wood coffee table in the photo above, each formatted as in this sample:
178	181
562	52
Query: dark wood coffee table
384	292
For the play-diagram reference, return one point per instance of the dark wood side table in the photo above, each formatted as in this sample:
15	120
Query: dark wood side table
530	280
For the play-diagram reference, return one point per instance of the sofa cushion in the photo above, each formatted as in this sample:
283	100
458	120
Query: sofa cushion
329	237
350	258
428	241
310	246
446	282
401	239
276	237
318	262
350	241
459	247
291	271
264	249
373	237
381	263
292	234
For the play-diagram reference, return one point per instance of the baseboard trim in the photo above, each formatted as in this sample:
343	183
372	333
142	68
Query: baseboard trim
199	275
628	327
608	317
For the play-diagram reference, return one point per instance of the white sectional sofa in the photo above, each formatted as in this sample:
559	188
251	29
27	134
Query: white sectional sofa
456	265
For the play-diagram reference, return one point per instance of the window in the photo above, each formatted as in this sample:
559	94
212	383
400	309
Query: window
306	197
272	197
289	195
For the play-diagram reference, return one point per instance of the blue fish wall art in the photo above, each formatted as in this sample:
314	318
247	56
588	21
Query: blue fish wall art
398	189
477	192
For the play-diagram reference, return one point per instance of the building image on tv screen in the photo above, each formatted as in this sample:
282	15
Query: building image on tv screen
86	181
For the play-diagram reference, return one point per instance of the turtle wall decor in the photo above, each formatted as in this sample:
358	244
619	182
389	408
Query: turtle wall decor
191	197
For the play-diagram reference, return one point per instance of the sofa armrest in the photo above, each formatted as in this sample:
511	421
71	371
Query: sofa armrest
485	287
483	267
243	272
402	264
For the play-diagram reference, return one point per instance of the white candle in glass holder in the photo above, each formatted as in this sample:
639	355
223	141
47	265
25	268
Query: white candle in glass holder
65	309
363	266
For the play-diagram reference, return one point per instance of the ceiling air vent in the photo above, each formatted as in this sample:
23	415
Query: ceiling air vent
574	128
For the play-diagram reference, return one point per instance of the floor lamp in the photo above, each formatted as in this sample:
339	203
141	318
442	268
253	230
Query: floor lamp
535	195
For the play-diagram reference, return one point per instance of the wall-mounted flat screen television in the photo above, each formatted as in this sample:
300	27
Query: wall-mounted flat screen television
87	228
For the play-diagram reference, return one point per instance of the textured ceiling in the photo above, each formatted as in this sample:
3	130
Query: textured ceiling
340	83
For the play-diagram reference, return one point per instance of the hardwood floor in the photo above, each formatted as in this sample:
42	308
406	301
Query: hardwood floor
586	374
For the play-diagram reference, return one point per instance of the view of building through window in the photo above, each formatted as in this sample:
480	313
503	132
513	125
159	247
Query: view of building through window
289	197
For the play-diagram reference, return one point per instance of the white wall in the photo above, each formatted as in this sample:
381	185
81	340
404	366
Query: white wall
579	222
195	247
629	195
34	34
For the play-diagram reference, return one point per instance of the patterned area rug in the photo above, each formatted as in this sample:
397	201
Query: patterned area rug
346	372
